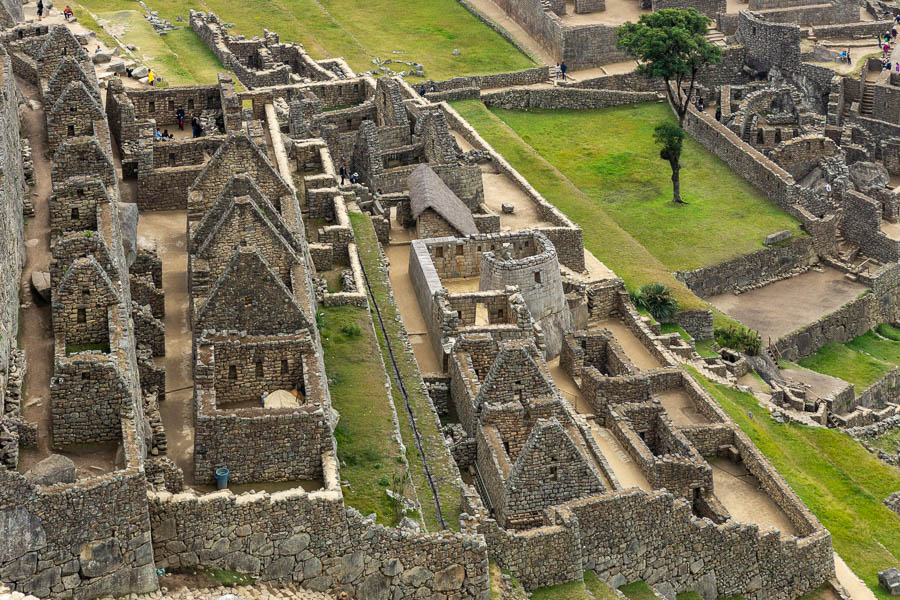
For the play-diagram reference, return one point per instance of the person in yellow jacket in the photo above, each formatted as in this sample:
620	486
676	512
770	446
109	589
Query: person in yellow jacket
150	77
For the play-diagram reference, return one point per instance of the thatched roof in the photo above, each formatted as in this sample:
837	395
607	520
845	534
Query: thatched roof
427	190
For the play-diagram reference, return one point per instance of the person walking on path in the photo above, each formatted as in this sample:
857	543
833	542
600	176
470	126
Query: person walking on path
563	68
195	126
40	9
343	173
179	114
67	13
151	77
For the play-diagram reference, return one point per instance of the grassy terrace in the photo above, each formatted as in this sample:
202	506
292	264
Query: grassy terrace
443	468
861	362
360	30
370	456
610	155
834	475
602	235
180	57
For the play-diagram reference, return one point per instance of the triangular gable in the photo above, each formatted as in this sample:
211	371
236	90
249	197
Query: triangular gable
515	375
77	94
427	190
240	217
250	297
241	185
60	43
237	153
73	246
67	72
391	112
84	157
96	274
549	470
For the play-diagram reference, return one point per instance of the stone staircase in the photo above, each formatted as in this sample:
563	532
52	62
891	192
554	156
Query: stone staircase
258	591
865	107
716	37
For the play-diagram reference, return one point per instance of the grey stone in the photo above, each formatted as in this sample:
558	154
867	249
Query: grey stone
100	558
40	283
312	568
295	544
319	584
104	56
352	566
707	586
392	567
54	469
128	224
139	72
868	176
665	590
117	66
241	562
780	236
416	576
375	587
449	579
23	533
889	579
21	569
280	568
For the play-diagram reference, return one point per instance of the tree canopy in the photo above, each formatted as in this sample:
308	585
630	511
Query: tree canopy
670	43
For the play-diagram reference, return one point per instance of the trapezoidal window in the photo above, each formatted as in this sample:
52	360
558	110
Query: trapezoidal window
459	250
190	103
171	106
284	367
75	214
152	106
439	252
70	131
232	372
554	473
81	317
537	277
259	368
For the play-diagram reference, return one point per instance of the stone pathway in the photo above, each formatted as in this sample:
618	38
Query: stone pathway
260	591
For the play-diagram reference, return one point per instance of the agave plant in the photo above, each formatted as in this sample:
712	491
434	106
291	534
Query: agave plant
656	299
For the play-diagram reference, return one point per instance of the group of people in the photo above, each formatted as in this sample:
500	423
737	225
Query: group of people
559	71
423	91
354	176
845	56
67	12
884	41
196	127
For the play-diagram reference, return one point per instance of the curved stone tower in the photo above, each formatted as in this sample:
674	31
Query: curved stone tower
531	264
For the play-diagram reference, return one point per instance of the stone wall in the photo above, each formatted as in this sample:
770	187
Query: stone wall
710	8
750	270
572	98
496	80
861	224
311	538
769	44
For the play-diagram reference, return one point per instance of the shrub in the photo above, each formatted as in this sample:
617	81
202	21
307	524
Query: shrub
351	330
738	338
656	299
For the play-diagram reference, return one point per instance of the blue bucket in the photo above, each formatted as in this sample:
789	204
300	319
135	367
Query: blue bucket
222	478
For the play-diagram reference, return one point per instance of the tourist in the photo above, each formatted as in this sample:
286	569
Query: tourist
158	134
67	13
151	77
431	89
556	73
354	177
886	49
897	67
893	33
129	70
887	65
195	126
563	68
422	90
180	115
847	54
40	9
166	135
719	113
343	169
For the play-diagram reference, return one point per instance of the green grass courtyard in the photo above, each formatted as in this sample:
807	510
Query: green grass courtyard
862	361
359	31
610	155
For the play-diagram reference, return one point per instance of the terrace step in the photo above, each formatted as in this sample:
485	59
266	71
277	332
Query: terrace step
865	107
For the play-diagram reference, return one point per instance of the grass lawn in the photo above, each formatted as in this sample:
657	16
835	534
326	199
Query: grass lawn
848	362
889	442
833	474
443	469
368	452
360	30
638	591
180	57
889	331
611	156
602	235
573	590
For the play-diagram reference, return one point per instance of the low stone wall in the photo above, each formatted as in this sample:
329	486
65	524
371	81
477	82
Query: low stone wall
312	539
851	320
562	97
877	395
497	80
843	31
749	270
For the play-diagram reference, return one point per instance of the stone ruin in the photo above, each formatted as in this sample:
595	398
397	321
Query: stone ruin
580	443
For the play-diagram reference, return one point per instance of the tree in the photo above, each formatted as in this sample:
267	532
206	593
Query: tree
670	136
670	43
657	300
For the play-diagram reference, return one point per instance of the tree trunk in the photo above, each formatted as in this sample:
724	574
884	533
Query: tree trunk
676	183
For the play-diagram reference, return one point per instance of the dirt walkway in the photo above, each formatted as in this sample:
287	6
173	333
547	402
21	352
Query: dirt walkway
632	346
569	388
413	320
851	581
168	229
680	407
784	306
627	472
739	491
616	13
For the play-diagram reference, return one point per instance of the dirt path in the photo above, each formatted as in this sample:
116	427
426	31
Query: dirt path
851	581
496	14
37	329
168	229
627	472
569	388
632	346
739	491
680	407
413	320
781	307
